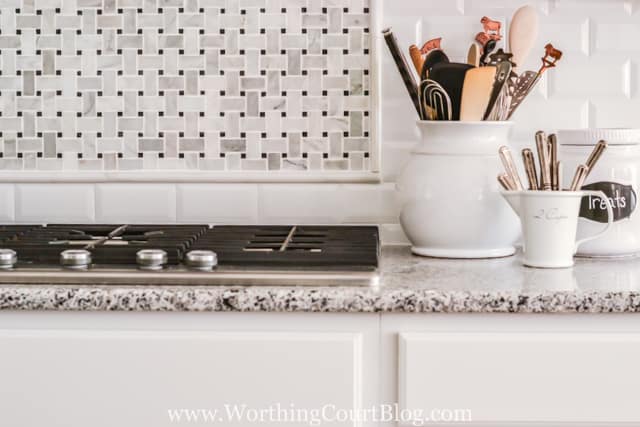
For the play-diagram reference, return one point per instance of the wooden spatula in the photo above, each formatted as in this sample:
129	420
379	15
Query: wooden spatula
478	84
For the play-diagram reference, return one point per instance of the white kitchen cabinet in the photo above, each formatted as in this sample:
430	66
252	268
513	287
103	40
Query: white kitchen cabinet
518	370
130	369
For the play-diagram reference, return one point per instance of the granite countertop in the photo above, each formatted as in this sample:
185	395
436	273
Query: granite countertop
408	284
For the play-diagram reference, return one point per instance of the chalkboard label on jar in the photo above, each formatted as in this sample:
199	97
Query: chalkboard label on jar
622	197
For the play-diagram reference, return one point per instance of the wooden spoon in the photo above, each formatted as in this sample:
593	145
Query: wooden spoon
523	33
478	85
416	58
473	57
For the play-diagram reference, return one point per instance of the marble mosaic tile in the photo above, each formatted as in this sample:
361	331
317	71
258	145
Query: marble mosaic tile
214	85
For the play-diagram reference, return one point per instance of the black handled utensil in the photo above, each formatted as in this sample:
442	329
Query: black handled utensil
433	57
451	77
403	68
487	49
503	64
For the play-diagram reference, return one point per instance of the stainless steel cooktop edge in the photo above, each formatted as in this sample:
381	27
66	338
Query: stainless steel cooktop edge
184	277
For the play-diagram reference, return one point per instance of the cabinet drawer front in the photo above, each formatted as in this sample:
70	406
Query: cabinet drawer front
522	377
129	378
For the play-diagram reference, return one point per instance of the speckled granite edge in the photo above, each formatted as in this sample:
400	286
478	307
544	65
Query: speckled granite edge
337	300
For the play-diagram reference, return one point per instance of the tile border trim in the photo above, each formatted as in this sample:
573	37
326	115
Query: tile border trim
168	176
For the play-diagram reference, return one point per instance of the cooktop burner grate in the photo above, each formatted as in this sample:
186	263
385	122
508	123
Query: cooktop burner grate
259	246
43	244
293	246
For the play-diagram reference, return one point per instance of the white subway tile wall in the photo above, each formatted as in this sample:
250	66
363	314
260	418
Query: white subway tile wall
7	205
266	203
41	203
597	83
209	85
327	203
133	202
226	203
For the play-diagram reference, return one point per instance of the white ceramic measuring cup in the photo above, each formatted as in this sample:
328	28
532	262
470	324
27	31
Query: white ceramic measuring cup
549	222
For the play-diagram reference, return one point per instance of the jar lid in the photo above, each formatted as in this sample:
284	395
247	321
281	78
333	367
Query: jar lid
619	136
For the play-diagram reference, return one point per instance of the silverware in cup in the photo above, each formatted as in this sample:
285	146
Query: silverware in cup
506	182
559	173
530	168
596	154
552	146
510	167
579	177
543	157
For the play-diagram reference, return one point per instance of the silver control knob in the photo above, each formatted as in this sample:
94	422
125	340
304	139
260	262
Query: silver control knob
151	259
75	258
8	258
201	260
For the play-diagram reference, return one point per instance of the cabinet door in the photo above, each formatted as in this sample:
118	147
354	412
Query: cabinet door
79	378
523	377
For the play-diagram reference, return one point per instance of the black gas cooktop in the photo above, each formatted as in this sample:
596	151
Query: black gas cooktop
284	247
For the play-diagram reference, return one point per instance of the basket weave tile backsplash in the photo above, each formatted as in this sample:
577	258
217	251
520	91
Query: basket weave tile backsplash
214	85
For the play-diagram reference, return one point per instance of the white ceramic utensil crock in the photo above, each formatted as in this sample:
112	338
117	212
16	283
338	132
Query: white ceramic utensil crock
549	225
451	203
